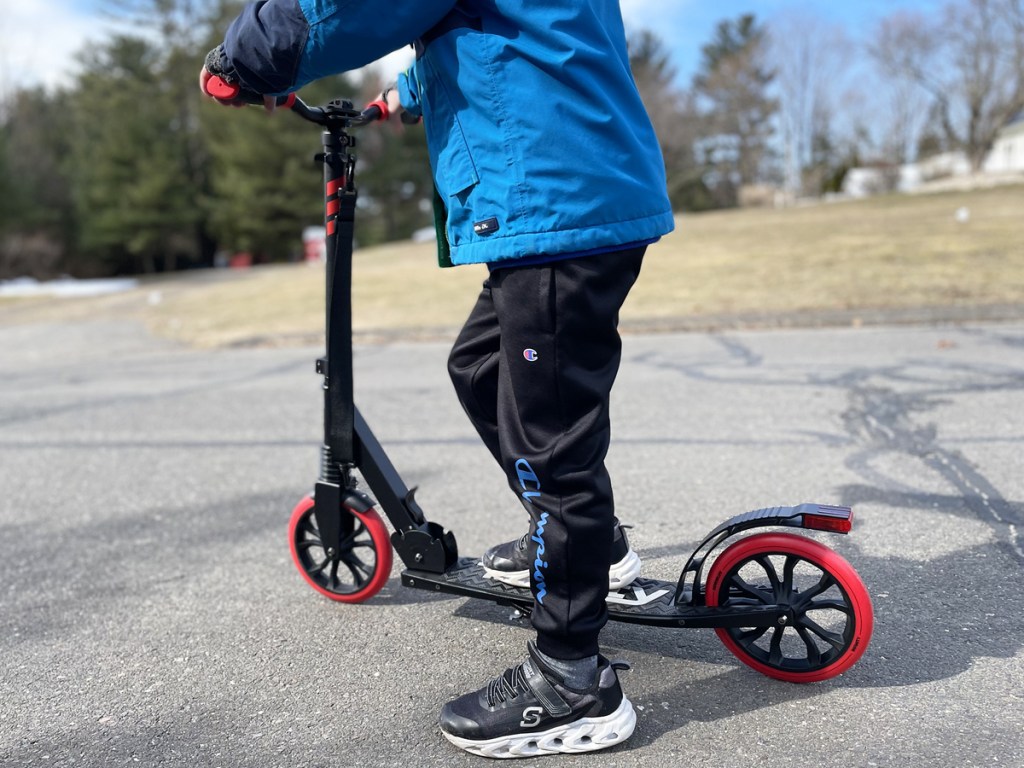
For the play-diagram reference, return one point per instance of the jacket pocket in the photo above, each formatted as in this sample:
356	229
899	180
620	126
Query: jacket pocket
454	169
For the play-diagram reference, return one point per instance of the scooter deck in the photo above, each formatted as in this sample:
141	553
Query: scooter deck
645	601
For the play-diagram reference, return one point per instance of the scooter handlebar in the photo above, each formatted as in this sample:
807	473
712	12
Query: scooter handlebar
221	89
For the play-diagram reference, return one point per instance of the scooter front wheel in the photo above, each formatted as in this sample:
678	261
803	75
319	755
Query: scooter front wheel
362	563
829	618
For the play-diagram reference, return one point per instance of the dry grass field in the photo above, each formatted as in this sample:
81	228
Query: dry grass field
893	252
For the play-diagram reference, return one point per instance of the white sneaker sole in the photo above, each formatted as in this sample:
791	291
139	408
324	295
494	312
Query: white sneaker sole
585	735
620	575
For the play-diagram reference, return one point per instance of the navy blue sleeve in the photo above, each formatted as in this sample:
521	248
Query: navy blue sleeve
276	46
264	44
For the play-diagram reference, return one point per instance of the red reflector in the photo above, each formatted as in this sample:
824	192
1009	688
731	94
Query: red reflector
829	523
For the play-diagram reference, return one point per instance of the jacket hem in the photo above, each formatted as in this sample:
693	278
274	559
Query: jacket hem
568	241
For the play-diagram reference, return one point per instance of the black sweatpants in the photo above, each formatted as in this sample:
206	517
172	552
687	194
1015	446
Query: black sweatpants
533	367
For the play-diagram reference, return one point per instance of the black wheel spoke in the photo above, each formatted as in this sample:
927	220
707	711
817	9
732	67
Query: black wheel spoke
775	656
359	570
832	638
830	605
787	575
813	654
347	541
307	543
751	636
824	584
363	566
737	582
769	568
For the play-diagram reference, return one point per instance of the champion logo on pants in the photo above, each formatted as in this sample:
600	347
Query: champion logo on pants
528	481
530	484
538	563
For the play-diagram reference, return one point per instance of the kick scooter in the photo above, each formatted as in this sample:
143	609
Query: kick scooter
783	604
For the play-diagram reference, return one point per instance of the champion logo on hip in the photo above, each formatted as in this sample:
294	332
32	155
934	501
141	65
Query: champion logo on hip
530	355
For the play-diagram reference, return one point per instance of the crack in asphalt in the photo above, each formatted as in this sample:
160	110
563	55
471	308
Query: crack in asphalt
880	419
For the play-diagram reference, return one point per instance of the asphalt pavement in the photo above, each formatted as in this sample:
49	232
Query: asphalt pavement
150	613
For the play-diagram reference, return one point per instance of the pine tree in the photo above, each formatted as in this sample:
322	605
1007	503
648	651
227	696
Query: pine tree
733	86
135	203
37	227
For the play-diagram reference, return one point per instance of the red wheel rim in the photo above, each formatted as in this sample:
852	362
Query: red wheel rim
363	564
830	618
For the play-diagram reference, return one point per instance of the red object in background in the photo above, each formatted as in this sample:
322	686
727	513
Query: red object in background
240	261
314	244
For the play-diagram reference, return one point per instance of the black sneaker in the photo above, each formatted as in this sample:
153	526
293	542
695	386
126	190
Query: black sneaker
510	562
527	711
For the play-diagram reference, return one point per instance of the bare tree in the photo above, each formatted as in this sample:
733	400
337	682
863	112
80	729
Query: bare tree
810	58
969	60
909	112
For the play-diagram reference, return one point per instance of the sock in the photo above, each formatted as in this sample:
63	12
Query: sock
578	674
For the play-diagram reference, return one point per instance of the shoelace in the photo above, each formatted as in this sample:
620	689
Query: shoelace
508	685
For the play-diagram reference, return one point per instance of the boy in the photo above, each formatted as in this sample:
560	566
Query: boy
547	169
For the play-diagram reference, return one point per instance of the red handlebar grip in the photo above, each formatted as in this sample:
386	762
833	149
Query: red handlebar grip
221	89
380	104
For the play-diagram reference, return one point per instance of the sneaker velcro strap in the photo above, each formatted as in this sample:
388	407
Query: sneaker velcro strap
544	691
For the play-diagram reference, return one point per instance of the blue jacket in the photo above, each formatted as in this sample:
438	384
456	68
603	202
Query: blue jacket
539	143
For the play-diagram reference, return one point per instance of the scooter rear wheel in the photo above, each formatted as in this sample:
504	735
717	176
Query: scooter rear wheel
362	564
829	619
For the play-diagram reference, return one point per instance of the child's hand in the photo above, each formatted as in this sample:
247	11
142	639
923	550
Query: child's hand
391	98
213	86
211	89
220	86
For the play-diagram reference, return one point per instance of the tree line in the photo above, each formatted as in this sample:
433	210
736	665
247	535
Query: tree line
129	169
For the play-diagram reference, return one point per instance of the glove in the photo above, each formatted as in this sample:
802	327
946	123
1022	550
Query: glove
218	80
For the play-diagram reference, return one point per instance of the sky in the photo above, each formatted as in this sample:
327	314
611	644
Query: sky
38	38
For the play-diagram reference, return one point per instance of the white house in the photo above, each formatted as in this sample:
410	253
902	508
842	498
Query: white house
1007	155
1006	159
